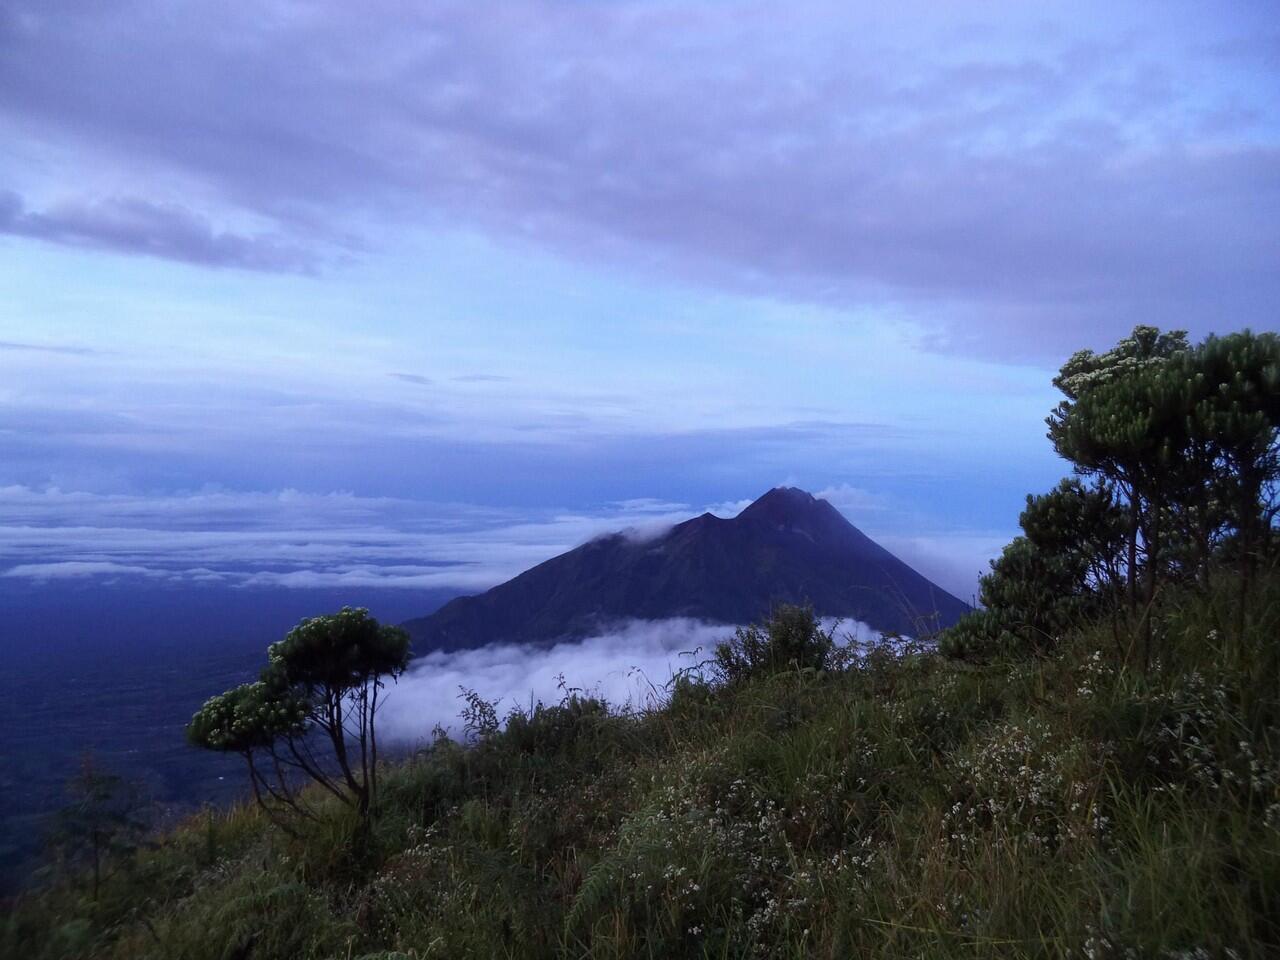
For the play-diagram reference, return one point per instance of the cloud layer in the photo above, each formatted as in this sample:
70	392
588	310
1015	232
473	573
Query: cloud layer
1015	179
293	540
628	666
133	225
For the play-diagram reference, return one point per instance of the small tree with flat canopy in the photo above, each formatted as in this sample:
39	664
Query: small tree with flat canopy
266	725
321	686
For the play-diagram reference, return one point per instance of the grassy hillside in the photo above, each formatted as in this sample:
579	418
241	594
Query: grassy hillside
901	805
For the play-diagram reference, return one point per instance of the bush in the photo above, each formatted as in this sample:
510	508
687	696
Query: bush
553	730
791	639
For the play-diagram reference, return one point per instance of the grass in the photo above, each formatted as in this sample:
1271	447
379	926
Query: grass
903	805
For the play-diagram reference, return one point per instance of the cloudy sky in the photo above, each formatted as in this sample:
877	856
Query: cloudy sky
414	295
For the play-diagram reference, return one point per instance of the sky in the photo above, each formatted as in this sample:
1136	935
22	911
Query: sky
398	296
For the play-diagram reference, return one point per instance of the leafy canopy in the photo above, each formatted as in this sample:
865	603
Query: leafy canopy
1175	452
321	686
791	639
338	652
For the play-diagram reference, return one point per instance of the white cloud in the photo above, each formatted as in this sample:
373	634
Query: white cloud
647	532
629	665
374	576
1003	166
953	561
728	508
296	540
852	501
69	569
649	505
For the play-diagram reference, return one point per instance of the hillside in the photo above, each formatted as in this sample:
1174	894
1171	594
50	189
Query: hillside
786	547
897	804
1086	766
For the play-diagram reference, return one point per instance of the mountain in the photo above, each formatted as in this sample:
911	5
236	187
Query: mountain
786	547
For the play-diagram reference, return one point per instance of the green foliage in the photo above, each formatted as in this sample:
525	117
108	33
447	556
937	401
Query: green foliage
322	680
1082	526
1177	458
1063	569
897	803
249	717
1123	423
1181	430
1232	386
555	730
257	914
672	881
338	653
791	639
978	635
479	716
1035	593
1145	348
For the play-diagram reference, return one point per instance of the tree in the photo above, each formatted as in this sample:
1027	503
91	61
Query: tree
1120	425
1123	423
1177	465
1146	348
102	824
1233	419
1085	525
322	682
266	725
1064	567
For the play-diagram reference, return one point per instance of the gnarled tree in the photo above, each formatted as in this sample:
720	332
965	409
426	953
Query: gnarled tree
321	686
1177	447
1121	423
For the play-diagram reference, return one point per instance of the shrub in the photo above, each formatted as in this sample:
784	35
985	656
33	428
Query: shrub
791	639
552	730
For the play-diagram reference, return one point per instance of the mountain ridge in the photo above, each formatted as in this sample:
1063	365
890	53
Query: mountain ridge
787	546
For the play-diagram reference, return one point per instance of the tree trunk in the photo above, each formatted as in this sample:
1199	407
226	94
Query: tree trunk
1153	567
373	747
1131	574
337	734
1135	514
1248	511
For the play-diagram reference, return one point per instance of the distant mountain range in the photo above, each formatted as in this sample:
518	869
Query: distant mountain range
786	547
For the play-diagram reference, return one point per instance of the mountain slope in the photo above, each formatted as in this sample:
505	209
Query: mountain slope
786	547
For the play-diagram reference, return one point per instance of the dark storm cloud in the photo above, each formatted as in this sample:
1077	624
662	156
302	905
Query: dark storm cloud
1019	186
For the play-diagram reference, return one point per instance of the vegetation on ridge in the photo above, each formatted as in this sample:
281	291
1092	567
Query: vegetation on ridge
322	682
1177	469
1092	769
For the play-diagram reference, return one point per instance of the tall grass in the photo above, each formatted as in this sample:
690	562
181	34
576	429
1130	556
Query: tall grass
902	805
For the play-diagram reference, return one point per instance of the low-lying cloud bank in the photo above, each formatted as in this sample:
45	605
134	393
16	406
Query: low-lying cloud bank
296	540
629	665
290	539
